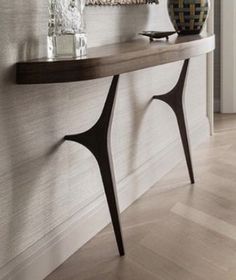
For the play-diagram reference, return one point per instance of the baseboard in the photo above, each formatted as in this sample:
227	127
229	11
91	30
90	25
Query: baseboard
48	253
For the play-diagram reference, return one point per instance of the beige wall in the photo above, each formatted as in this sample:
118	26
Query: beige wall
45	183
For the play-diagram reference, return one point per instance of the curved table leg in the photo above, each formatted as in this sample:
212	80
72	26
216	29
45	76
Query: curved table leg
97	140
174	99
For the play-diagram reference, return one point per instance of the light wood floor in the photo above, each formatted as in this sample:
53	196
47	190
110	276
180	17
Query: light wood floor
188	233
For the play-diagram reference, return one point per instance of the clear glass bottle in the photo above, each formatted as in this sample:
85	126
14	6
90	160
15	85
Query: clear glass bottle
66	28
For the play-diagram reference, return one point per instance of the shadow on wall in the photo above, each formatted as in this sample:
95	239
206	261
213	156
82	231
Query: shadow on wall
28	147
116	23
133	20
136	16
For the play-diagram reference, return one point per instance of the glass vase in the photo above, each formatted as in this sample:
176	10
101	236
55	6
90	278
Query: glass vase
66	28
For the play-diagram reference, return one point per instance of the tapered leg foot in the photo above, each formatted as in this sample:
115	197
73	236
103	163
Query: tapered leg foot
185	142
106	169
174	99
97	140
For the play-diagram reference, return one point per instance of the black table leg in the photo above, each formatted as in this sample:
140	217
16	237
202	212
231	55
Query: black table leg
97	140
174	99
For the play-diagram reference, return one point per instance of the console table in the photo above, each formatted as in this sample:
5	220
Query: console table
113	60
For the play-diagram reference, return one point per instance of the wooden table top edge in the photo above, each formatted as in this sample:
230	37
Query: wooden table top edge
117	59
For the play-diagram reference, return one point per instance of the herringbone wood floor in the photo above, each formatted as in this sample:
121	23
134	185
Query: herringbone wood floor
188	233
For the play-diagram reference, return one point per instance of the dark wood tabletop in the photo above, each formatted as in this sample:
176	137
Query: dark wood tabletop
114	59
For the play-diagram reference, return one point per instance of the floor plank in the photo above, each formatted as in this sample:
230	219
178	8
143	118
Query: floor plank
185	233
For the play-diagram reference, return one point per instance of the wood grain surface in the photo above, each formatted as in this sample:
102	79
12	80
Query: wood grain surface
114	59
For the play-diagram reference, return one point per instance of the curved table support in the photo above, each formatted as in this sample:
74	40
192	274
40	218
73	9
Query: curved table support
174	99
97	140
114	60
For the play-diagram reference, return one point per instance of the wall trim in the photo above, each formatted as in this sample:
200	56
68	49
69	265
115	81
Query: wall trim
51	251
217	105
228	57
210	73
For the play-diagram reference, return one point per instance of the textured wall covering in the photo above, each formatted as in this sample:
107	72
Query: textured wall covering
43	181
